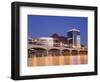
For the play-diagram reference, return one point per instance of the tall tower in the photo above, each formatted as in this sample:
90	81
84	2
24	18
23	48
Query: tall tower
73	36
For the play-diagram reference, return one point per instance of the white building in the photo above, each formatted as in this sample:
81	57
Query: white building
48	41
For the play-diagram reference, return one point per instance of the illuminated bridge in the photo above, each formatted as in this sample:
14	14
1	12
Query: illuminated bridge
44	50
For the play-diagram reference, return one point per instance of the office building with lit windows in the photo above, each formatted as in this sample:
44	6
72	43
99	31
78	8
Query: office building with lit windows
73	36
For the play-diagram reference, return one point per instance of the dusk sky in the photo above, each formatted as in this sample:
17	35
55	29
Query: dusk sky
44	26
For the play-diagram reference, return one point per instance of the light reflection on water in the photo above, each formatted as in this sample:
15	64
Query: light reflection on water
58	60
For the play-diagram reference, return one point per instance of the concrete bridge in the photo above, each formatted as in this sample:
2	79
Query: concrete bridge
30	46
44	50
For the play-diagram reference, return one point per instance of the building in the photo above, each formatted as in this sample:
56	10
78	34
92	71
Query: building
48	41
72	40
73	36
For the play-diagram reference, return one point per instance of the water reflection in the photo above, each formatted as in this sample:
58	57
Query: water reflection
57	59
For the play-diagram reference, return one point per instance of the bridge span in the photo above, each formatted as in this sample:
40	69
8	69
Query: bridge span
30	46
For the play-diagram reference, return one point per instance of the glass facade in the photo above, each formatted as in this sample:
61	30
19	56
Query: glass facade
73	38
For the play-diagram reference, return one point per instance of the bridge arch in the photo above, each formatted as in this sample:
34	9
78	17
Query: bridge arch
36	51
81	52
74	52
65	52
54	52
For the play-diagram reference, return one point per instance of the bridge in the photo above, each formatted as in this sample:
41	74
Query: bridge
44	50
30	46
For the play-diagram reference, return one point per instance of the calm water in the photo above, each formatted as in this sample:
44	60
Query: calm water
58	60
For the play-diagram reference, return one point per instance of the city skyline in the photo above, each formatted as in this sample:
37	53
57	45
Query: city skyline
45	26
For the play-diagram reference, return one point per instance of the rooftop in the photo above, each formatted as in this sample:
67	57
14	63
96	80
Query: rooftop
73	30
46	38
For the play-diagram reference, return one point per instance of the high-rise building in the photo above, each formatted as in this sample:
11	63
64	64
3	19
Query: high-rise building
73	36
